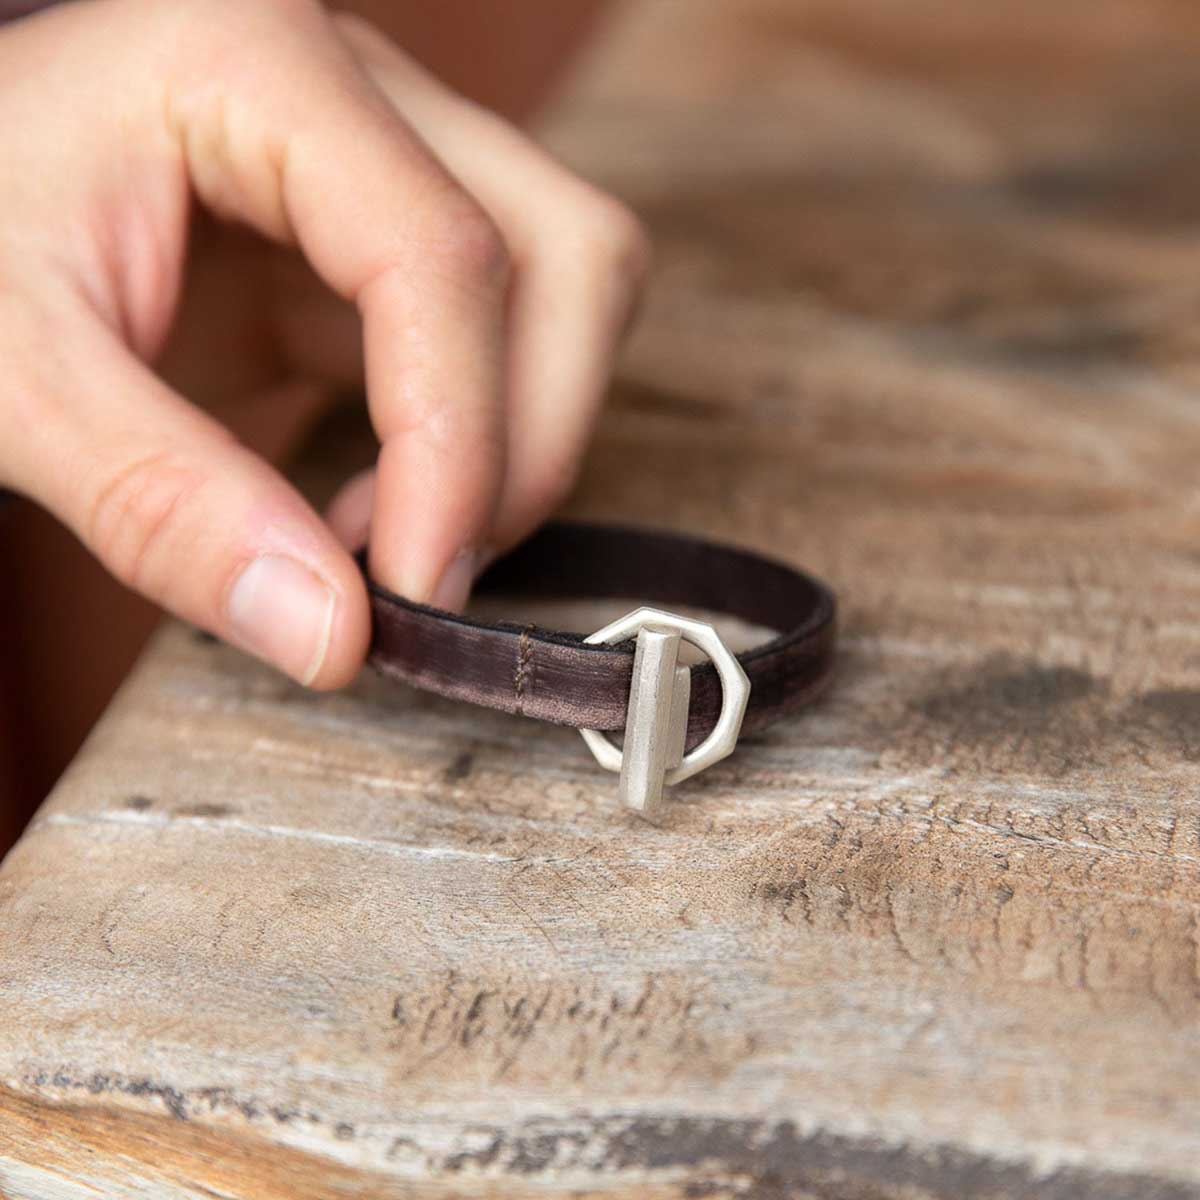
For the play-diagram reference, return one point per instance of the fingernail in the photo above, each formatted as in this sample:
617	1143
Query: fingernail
455	584
279	610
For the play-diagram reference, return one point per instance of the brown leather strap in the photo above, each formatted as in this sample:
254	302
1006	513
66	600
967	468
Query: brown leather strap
554	676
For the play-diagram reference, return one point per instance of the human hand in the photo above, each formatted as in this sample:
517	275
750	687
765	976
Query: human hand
493	288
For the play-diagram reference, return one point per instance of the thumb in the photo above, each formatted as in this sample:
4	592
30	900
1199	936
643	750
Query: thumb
178	510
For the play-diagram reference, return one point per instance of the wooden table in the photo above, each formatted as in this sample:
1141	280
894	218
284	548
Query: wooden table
925	322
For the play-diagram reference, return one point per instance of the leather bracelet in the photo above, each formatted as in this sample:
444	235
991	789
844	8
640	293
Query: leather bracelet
625	678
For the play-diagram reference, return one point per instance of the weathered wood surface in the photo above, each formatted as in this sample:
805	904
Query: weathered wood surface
925	323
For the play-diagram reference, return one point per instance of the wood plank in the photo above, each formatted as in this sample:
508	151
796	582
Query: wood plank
922	324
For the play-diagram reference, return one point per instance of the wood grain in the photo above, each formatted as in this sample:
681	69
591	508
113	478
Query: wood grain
923	323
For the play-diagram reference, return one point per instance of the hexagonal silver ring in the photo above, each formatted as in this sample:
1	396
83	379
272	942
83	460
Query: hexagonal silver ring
659	697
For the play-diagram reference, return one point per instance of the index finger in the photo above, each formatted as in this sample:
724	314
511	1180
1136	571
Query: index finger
307	149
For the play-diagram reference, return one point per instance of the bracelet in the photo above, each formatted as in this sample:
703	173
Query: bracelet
625	678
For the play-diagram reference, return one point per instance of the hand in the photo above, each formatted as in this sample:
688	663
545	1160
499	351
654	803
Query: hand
493	288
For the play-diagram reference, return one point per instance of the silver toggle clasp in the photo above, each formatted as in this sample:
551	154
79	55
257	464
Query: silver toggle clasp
659	698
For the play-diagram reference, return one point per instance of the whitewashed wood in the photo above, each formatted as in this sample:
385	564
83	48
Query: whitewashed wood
923	327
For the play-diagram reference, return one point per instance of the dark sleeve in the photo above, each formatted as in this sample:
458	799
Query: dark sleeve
10	10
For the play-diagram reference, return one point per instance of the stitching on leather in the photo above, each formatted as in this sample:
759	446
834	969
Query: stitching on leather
523	676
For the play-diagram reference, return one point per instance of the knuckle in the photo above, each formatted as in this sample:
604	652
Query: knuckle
471	248
134	516
213	42
621	243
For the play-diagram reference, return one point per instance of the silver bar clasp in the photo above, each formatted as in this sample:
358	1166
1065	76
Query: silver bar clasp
656	727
